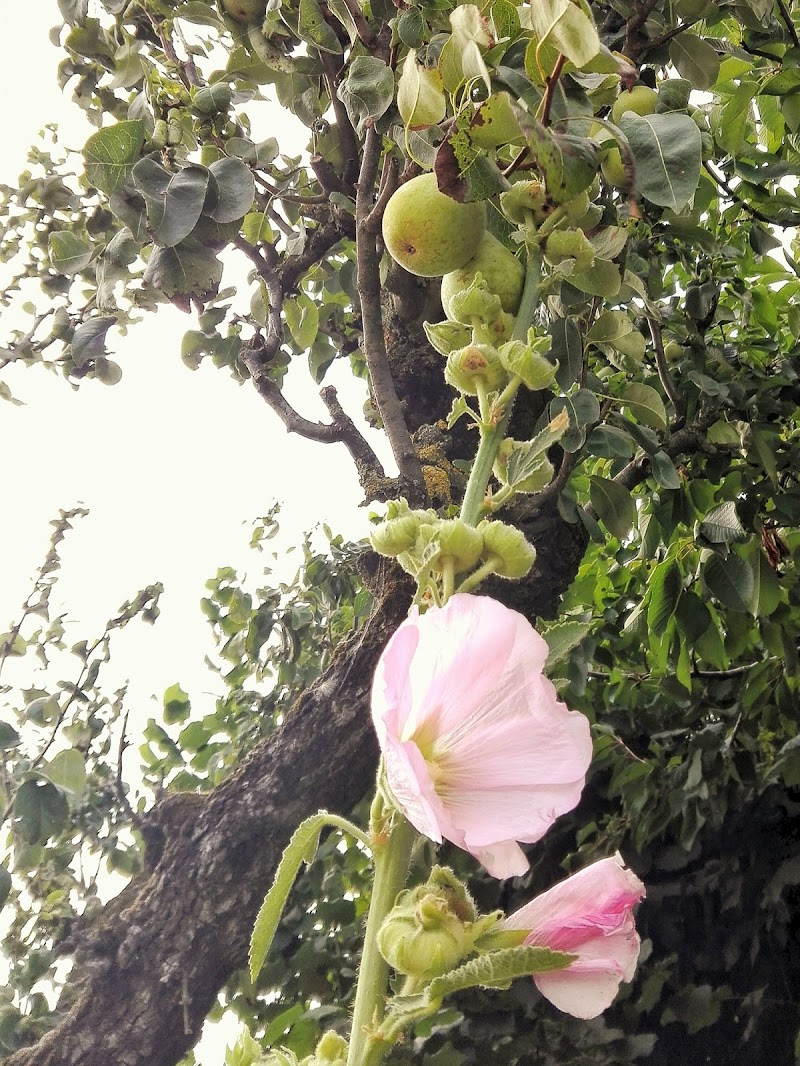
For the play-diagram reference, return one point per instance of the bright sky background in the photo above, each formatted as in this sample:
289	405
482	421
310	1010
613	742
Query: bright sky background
173	465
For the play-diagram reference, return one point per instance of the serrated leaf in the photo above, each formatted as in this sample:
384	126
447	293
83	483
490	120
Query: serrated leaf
525	461
614	505
646	405
730	580
562	638
68	252
111	153
666	151
302	845
664	587
722	526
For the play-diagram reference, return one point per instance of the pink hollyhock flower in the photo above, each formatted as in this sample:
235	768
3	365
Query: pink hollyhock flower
478	749
588	915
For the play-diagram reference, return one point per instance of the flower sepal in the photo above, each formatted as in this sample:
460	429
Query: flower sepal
330	1051
422	937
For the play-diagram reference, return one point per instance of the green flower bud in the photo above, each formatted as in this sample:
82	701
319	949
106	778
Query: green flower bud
474	301
494	332
540	476
524	197
447	336
444	883
527	361
330	1051
508	548
396	536
421	937
476	362
564	244
459	542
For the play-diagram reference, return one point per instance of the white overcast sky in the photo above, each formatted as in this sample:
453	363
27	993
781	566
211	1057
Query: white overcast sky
173	465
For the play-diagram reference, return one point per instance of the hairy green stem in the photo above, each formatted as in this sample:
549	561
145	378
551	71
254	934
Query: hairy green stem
391	857
492	436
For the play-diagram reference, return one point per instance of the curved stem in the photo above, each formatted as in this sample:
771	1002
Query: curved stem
492	438
391	857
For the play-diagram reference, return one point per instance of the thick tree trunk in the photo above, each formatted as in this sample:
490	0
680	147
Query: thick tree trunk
150	967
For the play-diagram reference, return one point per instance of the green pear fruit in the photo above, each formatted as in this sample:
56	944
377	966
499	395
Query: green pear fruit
500	269
246	10
613	169
429	233
639	99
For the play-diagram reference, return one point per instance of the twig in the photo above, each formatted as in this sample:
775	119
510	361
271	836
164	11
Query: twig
550	86
344	127
16	352
677	398
723	184
365	34
665	38
122	797
187	71
369	291
787	18
342	430
634	24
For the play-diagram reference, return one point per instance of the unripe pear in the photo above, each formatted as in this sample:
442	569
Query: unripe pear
245	10
639	99
613	169
429	233
500	269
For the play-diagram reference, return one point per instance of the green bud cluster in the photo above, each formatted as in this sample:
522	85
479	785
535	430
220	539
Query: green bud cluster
425	544
474	365
527	360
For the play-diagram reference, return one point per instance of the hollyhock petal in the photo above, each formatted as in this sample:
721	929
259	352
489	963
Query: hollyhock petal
588	915
478	749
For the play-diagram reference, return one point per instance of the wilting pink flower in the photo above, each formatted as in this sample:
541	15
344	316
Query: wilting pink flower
478	749
588	915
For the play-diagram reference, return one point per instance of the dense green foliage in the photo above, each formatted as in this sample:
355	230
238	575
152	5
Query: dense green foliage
671	305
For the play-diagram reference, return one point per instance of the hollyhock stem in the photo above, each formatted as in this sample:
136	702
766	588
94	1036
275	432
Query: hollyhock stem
391	852
492	437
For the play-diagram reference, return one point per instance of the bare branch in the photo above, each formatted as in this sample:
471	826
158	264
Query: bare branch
723	184
369	291
344	127
790	26
677	398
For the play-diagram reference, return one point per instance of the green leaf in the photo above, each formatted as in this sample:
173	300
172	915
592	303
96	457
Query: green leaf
67	770
695	59
497	969
111	153
646	405
176	704
562	638
313	29
664	588
40	811
420	99
174	201
614	505
566	348
302	318
666	151
9	737
722	526
664	471
367	91
236	190
568	26
183	271
89	339
301	848
730	580
68	252
5	885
